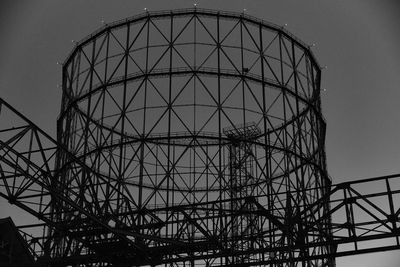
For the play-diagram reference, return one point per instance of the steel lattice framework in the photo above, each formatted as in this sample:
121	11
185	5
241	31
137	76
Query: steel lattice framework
189	138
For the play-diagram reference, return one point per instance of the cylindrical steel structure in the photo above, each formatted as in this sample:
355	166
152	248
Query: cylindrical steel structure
207	128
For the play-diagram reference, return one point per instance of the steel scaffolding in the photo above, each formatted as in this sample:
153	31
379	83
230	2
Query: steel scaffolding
189	138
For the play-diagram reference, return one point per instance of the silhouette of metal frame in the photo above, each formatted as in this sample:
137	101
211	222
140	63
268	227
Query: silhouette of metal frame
189	137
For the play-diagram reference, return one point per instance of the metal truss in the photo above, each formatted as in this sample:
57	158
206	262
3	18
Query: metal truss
188	138
364	218
30	181
361	211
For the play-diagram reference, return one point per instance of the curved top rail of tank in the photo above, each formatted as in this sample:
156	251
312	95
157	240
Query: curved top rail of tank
190	11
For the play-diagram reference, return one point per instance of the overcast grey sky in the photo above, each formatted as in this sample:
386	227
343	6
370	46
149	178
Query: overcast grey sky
357	39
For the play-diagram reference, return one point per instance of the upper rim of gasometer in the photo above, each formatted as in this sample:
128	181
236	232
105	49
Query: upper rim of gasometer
190	11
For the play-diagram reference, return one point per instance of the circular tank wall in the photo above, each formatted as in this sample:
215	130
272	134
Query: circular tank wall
199	121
